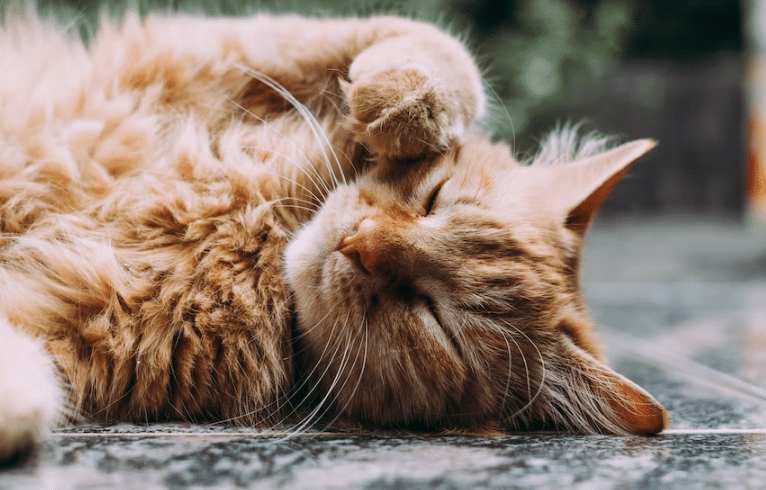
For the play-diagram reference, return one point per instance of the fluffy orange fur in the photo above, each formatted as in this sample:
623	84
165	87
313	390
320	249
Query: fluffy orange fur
279	219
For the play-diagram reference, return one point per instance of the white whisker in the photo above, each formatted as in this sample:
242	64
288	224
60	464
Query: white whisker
542	376
363	334
510	371
316	129
309	418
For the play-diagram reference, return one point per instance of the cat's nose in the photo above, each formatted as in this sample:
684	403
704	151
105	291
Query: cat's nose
364	247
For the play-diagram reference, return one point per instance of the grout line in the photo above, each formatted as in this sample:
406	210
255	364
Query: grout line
610	284
683	432
149	435
665	293
607	285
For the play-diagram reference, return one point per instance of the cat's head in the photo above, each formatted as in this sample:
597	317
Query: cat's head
444	294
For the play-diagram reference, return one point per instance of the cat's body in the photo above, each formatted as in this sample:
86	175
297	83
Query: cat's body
156	262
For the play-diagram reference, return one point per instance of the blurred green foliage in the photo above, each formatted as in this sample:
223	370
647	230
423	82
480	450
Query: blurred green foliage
546	49
536	53
547	54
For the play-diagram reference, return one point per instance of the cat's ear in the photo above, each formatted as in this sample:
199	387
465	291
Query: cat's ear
594	395
581	187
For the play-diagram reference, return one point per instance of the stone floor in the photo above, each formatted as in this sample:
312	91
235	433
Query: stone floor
682	304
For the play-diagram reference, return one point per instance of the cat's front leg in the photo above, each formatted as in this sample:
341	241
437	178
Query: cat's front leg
30	396
413	94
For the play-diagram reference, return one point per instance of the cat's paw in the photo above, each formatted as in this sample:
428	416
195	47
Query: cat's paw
402	113
30	397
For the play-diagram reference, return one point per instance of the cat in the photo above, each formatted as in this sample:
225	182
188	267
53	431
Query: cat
280	220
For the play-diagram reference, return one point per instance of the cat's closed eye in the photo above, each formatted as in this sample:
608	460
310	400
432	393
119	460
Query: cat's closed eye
431	203
433	309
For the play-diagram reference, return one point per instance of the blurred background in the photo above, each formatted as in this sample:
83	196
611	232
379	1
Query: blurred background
672	70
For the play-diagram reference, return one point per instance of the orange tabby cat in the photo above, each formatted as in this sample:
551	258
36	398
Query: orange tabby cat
280	220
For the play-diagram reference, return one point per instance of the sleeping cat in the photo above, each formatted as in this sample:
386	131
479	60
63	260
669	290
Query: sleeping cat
277	221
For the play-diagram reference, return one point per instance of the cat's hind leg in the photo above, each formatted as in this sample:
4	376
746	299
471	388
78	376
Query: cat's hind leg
31	399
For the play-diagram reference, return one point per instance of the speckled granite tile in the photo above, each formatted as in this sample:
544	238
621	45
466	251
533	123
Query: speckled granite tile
689	296
173	428
697	397
713	331
522	461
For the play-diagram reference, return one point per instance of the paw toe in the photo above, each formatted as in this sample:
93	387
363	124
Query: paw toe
399	113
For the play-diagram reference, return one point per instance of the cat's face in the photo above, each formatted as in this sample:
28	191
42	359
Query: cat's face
439	293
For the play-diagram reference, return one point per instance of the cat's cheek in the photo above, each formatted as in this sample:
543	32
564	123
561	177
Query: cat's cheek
306	253
301	258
